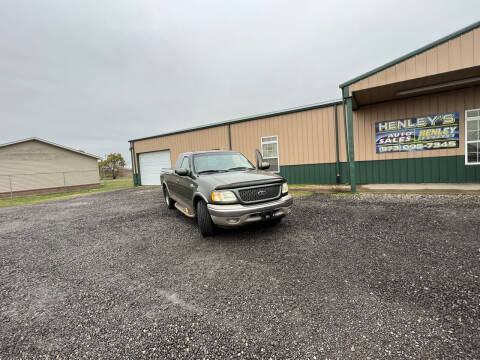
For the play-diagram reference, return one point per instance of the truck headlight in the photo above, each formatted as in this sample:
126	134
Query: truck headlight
224	196
284	188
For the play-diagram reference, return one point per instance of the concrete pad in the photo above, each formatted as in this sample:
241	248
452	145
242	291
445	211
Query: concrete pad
427	188
324	189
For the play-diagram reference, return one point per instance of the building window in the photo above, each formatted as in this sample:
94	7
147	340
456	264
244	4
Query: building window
270	152
472	137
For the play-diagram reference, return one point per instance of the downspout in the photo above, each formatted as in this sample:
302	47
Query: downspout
229	138
337	162
131	158
137	161
345	128
134	175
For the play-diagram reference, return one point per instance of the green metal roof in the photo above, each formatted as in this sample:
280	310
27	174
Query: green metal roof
413	53
248	118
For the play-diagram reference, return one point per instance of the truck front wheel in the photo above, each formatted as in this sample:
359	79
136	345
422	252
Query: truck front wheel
168	200
205	223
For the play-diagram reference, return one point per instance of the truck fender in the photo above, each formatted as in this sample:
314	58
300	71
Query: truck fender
198	195
165	184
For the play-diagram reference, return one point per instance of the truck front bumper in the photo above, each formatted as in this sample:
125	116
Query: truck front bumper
237	214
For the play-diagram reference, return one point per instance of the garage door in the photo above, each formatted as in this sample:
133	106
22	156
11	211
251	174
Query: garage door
151	164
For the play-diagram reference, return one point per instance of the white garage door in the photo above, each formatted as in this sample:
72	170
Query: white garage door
151	164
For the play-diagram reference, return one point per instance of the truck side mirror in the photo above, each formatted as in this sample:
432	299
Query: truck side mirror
258	159
182	172
264	165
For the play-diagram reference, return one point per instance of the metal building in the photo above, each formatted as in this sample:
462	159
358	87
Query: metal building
35	166
413	120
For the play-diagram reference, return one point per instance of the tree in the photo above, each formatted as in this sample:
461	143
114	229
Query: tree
112	163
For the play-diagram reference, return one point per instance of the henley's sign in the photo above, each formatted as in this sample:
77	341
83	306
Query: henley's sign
417	134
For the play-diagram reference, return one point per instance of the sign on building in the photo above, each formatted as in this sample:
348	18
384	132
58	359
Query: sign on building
430	132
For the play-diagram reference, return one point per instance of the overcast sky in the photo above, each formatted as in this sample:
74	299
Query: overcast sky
94	74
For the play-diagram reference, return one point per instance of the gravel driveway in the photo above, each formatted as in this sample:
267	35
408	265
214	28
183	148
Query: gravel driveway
117	275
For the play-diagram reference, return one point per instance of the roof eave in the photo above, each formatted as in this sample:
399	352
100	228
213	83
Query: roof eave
412	54
247	118
52	144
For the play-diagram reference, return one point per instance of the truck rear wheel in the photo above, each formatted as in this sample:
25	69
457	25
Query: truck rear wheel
168	200
205	223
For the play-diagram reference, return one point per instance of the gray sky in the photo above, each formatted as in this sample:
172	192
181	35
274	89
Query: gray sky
94	74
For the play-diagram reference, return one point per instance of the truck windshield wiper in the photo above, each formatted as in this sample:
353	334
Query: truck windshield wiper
240	168
211	171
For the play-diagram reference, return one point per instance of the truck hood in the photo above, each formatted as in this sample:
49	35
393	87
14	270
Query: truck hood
240	178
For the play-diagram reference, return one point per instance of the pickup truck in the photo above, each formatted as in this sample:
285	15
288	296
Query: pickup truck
223	189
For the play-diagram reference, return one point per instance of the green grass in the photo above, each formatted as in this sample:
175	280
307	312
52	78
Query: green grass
340	194
106	185
300	193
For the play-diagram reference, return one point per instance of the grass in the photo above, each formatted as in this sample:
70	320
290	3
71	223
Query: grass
300	193
340	194
309	189
301	185
106	185
118	184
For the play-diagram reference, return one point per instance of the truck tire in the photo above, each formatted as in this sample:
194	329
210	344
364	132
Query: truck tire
276	221
168	200
205	223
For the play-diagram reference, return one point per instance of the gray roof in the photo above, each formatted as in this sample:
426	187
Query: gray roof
53	144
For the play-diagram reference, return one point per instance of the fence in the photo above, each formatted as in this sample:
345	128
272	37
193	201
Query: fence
46	182
120	173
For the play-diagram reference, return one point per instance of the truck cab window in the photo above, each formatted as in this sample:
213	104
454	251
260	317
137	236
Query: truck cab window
186	163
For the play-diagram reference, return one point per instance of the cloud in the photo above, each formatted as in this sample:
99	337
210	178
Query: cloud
92	75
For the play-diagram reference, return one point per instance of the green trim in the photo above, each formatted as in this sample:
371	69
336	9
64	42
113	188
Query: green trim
441	169
312	173
337	152
412	54
139	178
136	179
345	132
133	164
351	149
249	118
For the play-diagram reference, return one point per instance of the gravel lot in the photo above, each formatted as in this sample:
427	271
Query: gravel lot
117	275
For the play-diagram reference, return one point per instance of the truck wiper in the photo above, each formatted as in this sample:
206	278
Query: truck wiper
211	171
240	168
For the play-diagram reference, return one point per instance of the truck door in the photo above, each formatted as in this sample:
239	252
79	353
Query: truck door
171	179
186	186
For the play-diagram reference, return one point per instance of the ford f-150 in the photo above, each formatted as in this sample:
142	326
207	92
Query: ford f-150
223	189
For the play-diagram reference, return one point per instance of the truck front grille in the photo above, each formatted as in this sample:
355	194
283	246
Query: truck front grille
260	193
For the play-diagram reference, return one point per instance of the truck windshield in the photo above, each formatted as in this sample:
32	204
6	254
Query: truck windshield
220	162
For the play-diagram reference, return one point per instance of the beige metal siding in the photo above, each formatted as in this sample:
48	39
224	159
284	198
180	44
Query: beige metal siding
366	117
460	52
205	139
36	165
305	137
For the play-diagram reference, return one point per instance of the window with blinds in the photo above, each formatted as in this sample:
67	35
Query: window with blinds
270	152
